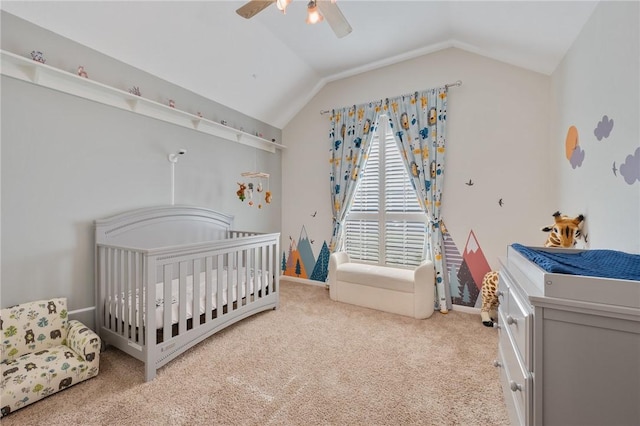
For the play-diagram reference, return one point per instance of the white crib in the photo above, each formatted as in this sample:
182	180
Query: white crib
215	277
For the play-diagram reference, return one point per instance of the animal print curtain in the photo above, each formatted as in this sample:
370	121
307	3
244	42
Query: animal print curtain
352	129
419	124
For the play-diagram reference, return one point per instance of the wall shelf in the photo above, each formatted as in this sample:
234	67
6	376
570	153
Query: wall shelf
44	75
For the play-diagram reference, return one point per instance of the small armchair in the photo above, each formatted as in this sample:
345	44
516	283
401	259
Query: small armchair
43	352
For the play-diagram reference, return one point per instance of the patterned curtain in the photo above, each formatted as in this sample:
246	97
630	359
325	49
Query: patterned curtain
352	129
419	124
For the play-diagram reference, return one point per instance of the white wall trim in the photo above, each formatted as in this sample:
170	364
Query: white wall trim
302	280
466	309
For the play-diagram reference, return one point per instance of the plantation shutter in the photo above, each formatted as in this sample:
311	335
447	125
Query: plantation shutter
385	224
362	236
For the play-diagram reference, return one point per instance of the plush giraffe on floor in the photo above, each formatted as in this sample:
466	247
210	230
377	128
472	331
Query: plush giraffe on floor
563	233
489	309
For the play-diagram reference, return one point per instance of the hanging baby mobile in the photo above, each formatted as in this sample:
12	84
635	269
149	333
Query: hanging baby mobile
246	190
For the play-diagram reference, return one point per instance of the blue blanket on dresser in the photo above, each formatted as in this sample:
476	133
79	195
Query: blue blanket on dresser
594	263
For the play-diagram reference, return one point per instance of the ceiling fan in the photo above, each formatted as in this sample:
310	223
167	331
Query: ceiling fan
327	9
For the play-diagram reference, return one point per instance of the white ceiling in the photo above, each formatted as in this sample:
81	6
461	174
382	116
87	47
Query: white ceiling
270	66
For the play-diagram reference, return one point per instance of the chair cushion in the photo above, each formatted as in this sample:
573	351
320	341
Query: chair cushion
33	327
31	377
377	276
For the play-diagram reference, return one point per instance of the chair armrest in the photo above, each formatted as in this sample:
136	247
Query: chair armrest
424	281
83	341
335	260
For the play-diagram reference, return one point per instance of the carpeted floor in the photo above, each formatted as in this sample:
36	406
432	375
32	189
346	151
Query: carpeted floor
311	362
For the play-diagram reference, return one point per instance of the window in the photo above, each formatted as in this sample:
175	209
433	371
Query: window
385	224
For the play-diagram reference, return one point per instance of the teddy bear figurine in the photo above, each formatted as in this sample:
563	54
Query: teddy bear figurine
240	192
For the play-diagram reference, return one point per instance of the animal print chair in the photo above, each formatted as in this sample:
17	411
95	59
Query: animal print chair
43	352
563	233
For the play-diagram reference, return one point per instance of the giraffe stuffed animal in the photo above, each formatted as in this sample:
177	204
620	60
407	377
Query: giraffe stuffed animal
488	311
563	233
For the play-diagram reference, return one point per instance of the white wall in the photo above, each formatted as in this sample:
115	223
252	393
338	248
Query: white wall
600	76
67	161
498	136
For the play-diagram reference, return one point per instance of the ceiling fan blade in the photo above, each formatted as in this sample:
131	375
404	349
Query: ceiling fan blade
334	17
249	10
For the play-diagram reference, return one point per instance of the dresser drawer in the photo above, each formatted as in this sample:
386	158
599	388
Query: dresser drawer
517	317
515	380
503	293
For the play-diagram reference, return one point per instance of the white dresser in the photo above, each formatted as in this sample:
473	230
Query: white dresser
569	346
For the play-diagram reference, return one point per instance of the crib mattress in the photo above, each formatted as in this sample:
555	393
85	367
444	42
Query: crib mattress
133	301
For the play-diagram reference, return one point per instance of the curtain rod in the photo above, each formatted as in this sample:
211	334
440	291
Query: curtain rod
458	83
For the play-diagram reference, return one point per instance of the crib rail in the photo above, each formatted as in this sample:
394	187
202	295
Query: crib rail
154	304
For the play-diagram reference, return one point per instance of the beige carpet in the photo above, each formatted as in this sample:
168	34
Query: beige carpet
311	362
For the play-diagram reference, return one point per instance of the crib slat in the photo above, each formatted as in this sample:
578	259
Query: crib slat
231	267
101	305
245	276
195	267
167	296
271	262
254	272
182	298
126	293
138	297
109	289
237	282
209	290
261	273
219	285
118	290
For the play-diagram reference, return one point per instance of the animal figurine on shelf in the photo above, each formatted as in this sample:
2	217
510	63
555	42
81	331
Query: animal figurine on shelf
82	72
37	56
489	309
565	231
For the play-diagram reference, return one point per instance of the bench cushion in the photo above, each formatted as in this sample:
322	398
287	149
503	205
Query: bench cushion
377	276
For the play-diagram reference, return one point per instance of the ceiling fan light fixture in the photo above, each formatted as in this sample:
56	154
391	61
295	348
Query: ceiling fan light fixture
313	15
282	5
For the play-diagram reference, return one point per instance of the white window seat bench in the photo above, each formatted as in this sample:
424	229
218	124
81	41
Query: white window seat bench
398	291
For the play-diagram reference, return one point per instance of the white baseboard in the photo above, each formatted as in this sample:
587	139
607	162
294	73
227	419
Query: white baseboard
466	309
302	280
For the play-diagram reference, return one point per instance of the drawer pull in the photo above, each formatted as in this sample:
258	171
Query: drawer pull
511	320
497	363
515	386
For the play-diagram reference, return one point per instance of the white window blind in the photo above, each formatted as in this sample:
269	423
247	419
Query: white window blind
385	224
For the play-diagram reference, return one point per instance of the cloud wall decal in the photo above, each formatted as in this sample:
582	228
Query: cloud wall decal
630	169
603	129
577	157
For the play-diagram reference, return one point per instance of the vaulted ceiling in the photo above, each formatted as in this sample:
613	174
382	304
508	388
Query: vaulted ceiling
270	66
